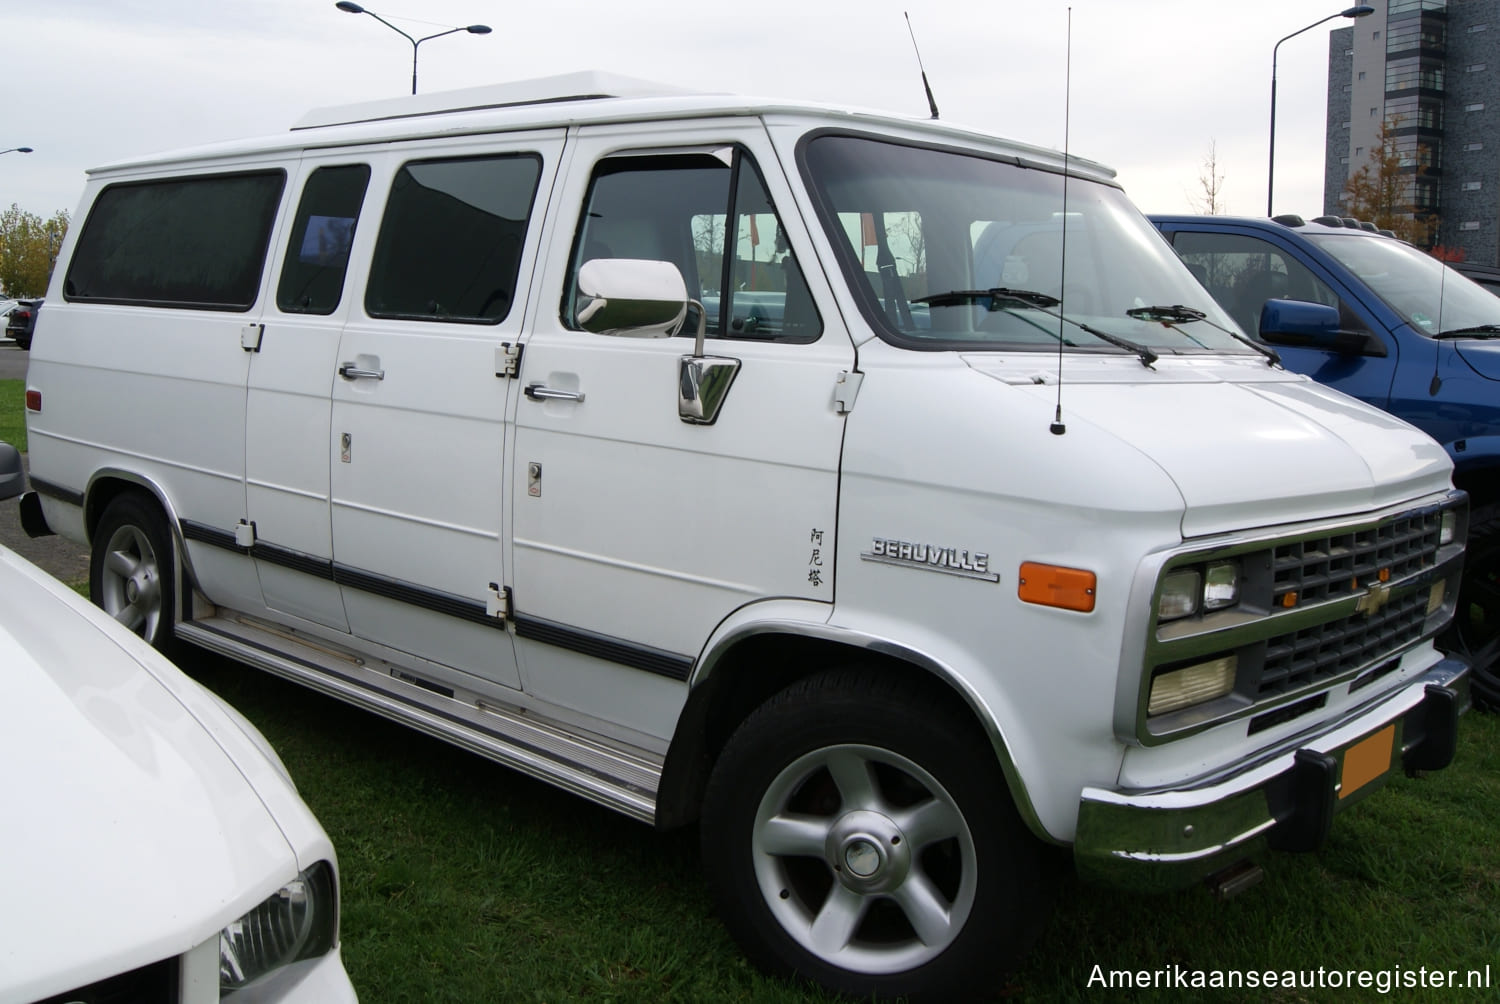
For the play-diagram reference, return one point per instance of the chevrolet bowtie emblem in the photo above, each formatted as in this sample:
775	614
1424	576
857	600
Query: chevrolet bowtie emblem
1377	596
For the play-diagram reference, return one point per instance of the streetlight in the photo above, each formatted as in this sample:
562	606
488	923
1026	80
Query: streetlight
17	149
354	8
1362	10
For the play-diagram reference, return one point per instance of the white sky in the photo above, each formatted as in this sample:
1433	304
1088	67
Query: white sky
1154	82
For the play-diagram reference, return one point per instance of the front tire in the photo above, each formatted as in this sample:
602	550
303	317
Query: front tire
131	569
857	834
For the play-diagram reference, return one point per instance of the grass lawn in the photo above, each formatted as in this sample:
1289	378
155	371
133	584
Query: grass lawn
464	881
13	413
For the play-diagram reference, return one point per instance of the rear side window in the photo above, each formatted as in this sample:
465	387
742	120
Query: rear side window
183	242
450	243
312	277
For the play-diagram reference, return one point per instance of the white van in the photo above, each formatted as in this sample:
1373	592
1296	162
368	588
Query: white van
884	496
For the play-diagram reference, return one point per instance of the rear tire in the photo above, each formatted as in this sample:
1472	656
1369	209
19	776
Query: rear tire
131	569
858	836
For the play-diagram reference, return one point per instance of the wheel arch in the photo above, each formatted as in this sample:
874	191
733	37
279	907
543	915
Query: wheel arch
108	484
747	665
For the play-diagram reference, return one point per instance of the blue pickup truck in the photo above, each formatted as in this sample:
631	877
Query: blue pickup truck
1380	320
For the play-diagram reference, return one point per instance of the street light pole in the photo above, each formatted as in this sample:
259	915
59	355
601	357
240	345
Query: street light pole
1362	10
17	149
353	8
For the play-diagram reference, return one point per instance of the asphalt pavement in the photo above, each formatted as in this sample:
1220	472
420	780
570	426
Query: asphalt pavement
63	559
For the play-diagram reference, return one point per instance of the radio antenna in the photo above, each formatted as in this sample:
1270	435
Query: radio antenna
1057	427
931	102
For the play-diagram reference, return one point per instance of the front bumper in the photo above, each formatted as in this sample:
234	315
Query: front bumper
1170	838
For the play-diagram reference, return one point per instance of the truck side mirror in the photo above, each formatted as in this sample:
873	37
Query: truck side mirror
1303	325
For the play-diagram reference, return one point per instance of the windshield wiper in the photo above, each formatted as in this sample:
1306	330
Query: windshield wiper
1177	312
1477	331
996	296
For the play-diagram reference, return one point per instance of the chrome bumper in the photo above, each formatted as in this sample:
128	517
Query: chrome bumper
1170	838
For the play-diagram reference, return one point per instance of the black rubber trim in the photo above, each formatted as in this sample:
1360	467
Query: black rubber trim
53	491
650	660
213	536
418	596
297	561
642	657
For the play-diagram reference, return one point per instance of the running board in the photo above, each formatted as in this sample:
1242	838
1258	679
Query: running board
621	778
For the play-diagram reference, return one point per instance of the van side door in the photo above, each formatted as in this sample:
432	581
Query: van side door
419	403
637	532
292	371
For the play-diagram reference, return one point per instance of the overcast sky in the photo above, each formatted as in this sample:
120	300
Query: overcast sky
1154	82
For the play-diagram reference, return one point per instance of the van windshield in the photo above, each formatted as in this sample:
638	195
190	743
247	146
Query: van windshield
947	249
1431	297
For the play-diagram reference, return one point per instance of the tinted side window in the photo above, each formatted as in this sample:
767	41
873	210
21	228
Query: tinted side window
1243	272
312	277
710	216
450	244
185	242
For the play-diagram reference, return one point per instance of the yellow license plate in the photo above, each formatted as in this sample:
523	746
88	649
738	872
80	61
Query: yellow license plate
1367	760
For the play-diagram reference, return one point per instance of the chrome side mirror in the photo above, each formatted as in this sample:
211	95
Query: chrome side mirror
631	297
636	298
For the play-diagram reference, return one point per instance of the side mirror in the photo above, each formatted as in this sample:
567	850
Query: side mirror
12	476
1303	325
632	297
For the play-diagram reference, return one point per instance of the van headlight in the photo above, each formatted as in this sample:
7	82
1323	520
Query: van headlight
1190	685
1204	587
299	921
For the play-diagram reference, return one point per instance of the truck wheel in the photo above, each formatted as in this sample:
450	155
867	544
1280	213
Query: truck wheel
130	568
855	835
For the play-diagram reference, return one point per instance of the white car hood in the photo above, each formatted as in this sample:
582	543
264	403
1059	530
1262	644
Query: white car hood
128	830
1245	444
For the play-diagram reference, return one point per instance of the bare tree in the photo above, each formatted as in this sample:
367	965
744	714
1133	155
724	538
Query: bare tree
1211	181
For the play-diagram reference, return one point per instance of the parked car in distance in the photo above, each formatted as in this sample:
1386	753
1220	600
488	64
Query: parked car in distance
154	847
21	322
1392	326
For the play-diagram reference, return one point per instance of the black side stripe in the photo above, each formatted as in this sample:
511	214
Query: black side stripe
51	490
205	534
626	653
405	592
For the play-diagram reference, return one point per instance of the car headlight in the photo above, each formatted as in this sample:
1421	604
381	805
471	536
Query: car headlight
299	921
1204	587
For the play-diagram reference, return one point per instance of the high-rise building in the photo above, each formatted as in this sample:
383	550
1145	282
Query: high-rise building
1428	71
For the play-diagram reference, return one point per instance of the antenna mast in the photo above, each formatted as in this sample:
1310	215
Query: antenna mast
1057	427
931	102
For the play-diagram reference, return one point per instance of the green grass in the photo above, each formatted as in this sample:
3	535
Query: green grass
13	413
463	881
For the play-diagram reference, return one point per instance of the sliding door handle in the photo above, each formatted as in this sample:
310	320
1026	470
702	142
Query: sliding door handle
540	392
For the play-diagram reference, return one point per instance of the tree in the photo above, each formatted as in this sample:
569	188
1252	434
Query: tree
28	250
1382	191
1211	180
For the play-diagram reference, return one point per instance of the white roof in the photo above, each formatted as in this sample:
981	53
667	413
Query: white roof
567	100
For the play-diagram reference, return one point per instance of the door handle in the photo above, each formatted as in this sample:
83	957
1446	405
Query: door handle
349	371
541	392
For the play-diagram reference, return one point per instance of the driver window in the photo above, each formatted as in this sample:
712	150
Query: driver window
1242	273
712	218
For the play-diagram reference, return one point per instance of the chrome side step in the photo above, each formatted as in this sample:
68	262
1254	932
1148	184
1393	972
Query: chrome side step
621	778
